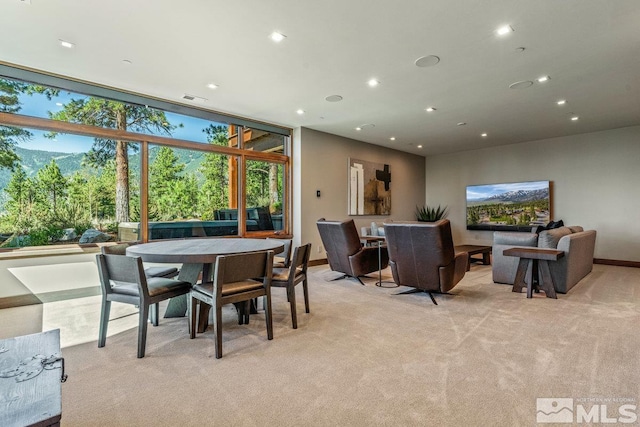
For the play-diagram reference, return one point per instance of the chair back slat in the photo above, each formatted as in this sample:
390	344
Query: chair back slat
119	268
235	268
301	257
119	249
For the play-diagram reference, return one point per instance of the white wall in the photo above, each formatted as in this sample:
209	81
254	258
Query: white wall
321	163
595	183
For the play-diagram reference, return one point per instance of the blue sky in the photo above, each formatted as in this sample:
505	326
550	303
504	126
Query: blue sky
480	192
38	106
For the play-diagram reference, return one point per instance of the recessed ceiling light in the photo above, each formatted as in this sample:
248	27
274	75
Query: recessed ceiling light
333	98
212	86
427	61
521	84
505	29
373	82
562	102
461	124
484	135
575	118
358	128
430	109
277	37
393	138
543	79
419	146
66	44
300	111
520	49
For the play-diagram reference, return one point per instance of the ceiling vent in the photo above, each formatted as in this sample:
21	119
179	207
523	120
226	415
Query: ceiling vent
193	98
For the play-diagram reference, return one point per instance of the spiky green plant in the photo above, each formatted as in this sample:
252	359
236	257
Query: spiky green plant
429	214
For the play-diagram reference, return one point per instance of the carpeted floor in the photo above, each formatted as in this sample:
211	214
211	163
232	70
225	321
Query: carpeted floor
364	356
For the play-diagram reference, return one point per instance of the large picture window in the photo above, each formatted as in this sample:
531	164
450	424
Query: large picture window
72	162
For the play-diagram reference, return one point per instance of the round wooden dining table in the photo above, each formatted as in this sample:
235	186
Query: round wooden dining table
197	255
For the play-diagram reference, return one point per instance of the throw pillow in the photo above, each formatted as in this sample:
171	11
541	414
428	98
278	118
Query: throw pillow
549	238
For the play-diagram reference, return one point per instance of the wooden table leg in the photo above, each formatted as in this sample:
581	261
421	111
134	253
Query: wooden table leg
521	273
486	258
545	281
530	282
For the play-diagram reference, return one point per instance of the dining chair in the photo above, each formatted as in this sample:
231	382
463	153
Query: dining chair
285	255
122	279
234	282
121	249
290	277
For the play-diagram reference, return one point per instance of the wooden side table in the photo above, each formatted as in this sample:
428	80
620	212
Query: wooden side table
539	259
474	250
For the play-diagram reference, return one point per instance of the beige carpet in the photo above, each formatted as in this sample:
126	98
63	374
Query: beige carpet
366	357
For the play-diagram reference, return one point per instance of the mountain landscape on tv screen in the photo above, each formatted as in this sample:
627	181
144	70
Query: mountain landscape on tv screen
518	196
514	208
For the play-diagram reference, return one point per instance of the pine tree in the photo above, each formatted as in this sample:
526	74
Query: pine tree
120	116
52	184
214	193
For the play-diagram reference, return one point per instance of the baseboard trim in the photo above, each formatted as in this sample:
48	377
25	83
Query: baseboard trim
19	301
616	262
315	262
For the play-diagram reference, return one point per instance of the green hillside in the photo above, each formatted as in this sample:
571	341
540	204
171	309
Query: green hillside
33	160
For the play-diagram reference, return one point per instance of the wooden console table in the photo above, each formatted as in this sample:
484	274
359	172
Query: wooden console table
473	250
31	373
539	259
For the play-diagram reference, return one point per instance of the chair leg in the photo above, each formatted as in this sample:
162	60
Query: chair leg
410	291
291	296
154	314
247	311
193	305
415	291
217	329
240	310
267	315
142	329
104	322
432	298
305	288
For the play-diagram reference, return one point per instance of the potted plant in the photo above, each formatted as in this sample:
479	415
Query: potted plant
429	214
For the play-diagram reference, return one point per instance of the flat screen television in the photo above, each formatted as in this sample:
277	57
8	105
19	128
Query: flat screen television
513	206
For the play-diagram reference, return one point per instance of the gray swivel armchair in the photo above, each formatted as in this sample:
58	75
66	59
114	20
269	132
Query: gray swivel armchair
345	251
422	256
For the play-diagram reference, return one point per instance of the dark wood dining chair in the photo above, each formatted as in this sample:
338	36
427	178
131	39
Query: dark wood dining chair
289	277
234	282
121	249
122	279
283	259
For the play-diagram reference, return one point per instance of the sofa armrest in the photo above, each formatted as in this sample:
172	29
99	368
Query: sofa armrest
577	262
515	239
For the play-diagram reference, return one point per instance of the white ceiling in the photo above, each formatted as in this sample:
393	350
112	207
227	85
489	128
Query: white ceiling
589	48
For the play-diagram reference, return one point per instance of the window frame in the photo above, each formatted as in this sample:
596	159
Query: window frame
89	89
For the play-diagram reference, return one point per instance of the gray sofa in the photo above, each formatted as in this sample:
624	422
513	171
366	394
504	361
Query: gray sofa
578	246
